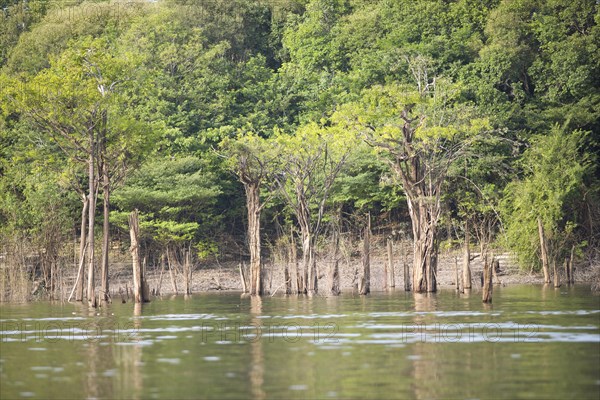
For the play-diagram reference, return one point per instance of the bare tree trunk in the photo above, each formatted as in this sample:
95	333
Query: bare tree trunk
424	224
487	281
406	277
335	272
365	287
466	273
556	277
287	277
457	281
406	269
187	271
91	295
243	278
139	282
163	262
293	255
306	259
135	256
105	232
390	255
82	247
173	278
253	207
571	261
495	269
544	251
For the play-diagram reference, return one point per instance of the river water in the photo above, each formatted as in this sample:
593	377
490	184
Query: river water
533	342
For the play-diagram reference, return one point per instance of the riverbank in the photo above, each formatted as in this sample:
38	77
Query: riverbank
226	275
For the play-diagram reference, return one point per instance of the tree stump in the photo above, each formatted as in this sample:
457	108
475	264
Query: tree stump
140	293
365	287
391	279
487	281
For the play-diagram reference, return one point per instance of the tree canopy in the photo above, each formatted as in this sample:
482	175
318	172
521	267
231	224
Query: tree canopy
487	109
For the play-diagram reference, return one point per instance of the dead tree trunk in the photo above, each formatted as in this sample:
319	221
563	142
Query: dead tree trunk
293	257
187	272
171	274
406	269
456	274
334	277
391	279
82	247
543	251
495	269
306	259
91	295
79	277
287	277
243	278
571	260
105	233
253	206
163	262
365	287
466	273
556	277
487	280
139	295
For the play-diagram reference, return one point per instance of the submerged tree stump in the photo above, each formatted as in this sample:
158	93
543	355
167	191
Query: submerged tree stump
243	278
456	274
335	270
487	281
543	251
365	284
556	277
466	272
391	279
495	269
187	272
571	260
139	282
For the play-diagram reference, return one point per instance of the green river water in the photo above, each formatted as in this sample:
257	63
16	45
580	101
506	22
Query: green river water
533	342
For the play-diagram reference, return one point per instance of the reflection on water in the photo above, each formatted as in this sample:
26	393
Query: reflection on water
388	345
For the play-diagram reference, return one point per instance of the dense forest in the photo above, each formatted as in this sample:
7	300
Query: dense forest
232	126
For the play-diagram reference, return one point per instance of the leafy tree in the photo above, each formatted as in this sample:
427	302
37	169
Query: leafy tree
420	134
548	194
251	159
76	104
309	163
177	200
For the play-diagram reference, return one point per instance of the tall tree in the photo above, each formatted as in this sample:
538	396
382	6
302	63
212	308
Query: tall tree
421	134
75	104
250	158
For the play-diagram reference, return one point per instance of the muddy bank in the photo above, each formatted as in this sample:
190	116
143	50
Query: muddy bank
226	276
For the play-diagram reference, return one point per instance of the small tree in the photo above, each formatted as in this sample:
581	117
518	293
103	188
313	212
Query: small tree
539	209
310	161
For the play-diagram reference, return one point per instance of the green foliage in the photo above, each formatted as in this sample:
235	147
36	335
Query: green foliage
549	189
176	199
179	79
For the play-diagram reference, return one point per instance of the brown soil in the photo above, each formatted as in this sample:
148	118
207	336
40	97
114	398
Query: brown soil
226	276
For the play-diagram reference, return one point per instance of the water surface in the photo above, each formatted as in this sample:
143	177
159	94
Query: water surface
533	342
